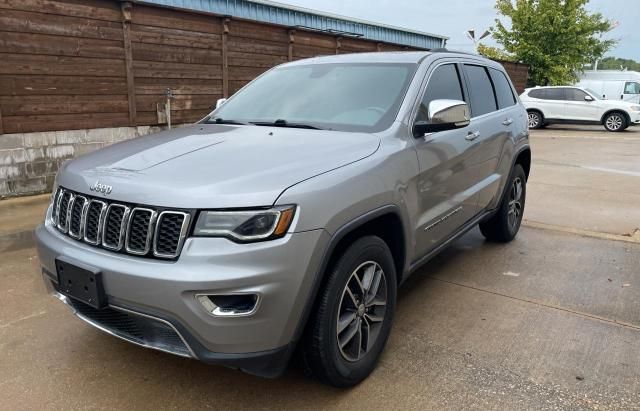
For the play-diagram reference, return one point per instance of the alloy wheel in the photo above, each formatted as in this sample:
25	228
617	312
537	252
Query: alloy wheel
614	122
515	203
534	120
362	311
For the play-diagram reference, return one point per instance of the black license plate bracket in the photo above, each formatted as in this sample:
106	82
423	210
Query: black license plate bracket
82	283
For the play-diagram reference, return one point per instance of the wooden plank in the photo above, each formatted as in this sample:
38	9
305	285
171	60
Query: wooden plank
156	52
178	117
225	57
175	37
358	45
259	31
1	124
147	102
157	86
155	69
23	124
306	38
245	73
301	51
39	23
60	85
175	19
90	9
292	39
238	44
257	61
60	65
27	43
34	105
128	60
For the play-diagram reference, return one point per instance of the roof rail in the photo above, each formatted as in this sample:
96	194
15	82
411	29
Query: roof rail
445	50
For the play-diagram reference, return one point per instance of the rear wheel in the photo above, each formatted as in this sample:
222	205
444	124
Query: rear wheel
352	320
535	119
615	122
504	225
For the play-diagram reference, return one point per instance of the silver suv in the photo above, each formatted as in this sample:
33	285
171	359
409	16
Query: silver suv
288	217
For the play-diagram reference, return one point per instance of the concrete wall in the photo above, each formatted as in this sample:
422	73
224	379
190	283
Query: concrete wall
29	161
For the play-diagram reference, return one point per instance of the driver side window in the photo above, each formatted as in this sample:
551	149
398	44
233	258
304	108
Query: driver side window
632	88
443	84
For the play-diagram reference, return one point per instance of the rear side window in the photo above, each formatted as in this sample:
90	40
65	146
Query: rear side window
504	93
481	95
444	83
548	93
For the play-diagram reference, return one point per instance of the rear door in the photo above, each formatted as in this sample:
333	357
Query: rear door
496	129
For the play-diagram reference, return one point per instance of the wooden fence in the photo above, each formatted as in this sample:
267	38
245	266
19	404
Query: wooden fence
74	64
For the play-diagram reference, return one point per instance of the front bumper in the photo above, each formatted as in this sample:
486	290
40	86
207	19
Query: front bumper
281	272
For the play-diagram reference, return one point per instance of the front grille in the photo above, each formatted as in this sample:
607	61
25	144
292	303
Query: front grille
121	227
139	329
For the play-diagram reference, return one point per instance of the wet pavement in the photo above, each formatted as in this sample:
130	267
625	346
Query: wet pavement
549	321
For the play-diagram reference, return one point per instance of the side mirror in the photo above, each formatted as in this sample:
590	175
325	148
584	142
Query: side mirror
588	98
443	115
220	102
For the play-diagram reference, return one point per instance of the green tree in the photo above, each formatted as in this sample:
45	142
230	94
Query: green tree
495	53
614	63
555	37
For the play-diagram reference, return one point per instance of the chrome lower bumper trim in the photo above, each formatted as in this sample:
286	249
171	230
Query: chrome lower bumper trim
115	333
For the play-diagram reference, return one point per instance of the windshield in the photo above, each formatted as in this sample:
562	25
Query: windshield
342	96
593	93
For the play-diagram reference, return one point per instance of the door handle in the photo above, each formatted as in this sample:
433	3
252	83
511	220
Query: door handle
472	135
507	122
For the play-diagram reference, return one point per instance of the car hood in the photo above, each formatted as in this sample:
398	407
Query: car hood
214	166
626	105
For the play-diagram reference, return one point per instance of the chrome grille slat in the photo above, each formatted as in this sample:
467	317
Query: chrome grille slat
94	220
136	230
77	215
115	224
165	244
140	229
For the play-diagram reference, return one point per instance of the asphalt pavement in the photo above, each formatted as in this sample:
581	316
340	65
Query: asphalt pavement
549	321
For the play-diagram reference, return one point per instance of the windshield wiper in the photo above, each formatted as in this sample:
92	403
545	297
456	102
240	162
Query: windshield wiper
219	120
284	123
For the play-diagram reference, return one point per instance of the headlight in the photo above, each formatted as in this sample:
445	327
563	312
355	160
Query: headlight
635	108
246	225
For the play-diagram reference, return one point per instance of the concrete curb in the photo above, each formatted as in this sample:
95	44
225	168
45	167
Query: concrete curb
635	238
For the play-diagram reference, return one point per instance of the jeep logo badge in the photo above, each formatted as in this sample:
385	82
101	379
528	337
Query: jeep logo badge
101	188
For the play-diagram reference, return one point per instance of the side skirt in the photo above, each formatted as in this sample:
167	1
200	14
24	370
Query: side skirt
462	231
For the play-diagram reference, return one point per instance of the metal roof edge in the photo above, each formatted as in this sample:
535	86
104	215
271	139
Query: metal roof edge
344	18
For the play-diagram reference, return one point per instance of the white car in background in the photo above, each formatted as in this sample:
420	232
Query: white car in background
575	105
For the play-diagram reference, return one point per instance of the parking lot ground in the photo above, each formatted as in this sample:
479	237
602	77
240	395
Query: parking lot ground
549	321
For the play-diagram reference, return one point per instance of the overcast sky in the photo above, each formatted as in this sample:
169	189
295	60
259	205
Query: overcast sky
452	17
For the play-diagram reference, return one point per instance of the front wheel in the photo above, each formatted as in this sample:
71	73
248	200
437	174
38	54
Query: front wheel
352	319
504	225
615	122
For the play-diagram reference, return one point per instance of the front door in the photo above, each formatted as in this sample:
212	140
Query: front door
447	198
578	108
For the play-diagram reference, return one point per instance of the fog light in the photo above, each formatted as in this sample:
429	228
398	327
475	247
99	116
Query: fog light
229	305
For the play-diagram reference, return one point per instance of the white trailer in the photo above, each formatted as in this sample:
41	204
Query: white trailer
612	84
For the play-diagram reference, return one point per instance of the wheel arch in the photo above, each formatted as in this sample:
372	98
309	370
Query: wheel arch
386	222
616	110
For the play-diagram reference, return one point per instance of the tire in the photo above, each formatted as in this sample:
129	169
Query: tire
330	354
535	119
615	122
504	225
